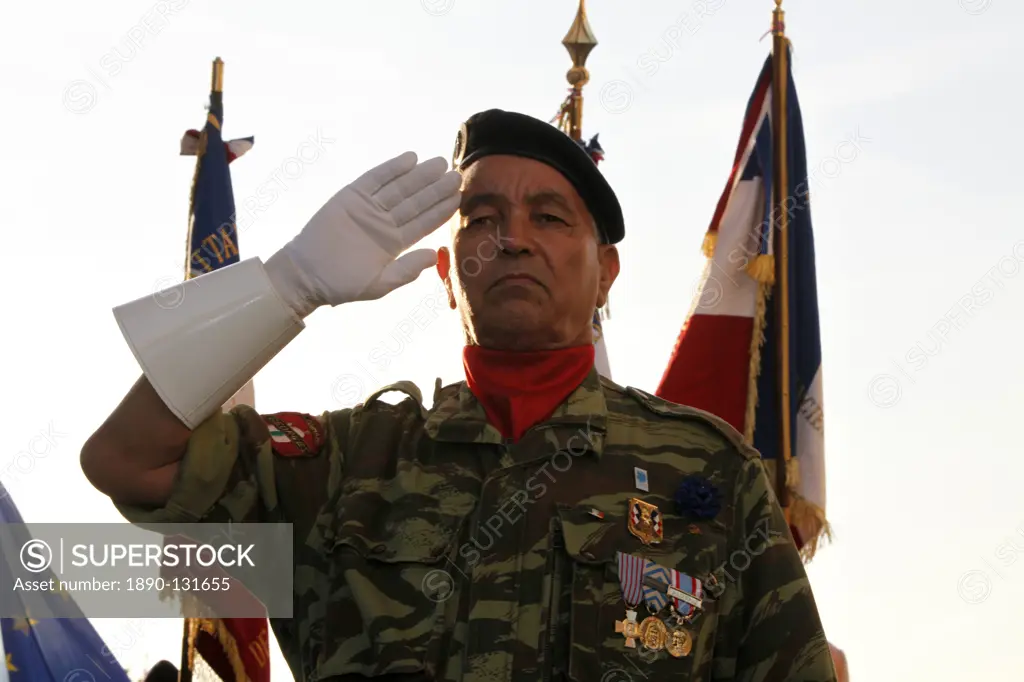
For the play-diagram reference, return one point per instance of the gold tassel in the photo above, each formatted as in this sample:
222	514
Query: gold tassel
762	268
710	241
810	520
561	120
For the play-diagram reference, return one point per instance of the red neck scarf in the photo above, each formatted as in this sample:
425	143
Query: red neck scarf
519	390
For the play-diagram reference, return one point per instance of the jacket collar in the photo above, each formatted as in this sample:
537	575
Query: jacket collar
579	424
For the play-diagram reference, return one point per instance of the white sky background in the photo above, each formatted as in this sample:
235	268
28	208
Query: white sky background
924	473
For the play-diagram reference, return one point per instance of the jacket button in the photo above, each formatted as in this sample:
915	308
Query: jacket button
378	549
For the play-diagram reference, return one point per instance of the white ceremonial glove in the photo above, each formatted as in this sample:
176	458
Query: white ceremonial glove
349	251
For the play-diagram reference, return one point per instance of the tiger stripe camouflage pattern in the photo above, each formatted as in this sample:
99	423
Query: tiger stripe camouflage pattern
428	548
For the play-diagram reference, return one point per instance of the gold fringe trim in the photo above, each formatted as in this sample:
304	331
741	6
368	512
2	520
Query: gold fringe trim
762	268
216	628
792	474
756	340
710	242
810	520
193	631
207	622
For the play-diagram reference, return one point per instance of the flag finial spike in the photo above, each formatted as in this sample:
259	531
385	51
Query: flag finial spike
579	42
778	20
217	80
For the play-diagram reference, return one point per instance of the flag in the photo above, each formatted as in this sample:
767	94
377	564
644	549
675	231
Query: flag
725	360
47	649
212	228
235	648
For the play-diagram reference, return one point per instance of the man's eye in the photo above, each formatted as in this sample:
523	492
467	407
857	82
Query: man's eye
552	219
480	221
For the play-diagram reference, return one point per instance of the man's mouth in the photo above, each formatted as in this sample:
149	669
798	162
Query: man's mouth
517	278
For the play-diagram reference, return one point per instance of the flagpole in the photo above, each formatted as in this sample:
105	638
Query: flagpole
579	41
185	669
780	78
216	90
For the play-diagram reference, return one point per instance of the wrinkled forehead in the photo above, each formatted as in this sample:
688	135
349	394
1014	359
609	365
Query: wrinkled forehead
516	179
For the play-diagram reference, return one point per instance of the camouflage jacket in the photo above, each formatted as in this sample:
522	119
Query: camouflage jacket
428	548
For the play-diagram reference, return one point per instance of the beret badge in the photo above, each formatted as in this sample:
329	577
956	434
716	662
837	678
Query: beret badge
460	146
696	497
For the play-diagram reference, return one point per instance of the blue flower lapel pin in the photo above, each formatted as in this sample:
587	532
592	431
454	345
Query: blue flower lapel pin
696	497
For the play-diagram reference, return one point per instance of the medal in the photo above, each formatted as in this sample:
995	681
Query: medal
653	633
628	628
679	643
631	573
656	579
687	593
644	521
631	576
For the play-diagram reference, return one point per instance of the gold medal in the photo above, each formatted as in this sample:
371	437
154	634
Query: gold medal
628	628
653	633
679	643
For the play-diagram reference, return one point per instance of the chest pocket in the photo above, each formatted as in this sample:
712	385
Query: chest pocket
597	651
390	552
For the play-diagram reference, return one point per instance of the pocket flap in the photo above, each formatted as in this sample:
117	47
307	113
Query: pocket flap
590	538
412	540
429	547
598	538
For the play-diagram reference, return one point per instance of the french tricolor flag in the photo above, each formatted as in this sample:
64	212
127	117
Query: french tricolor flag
726	357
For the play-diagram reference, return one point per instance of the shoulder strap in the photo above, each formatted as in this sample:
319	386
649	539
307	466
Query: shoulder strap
670	409
406	387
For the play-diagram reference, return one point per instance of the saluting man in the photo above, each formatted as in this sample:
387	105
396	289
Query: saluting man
538	522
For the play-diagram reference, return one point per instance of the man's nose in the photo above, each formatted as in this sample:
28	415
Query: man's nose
516	235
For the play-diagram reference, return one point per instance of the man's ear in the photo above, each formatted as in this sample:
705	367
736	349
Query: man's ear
608	257
444	264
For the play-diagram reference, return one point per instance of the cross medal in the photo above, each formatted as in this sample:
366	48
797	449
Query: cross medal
628	628
631	570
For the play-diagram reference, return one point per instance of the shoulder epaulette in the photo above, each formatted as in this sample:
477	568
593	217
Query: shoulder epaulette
669	409
407	387
295	434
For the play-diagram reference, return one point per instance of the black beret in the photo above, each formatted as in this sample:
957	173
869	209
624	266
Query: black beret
505	132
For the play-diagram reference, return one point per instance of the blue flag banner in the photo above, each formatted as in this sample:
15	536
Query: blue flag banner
212	230
48	649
